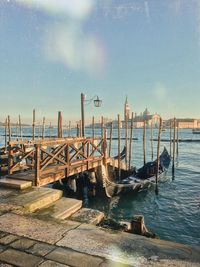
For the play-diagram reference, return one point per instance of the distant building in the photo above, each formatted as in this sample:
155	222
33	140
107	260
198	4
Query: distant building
186	123
126	110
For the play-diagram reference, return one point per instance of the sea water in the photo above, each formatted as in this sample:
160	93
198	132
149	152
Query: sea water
173	214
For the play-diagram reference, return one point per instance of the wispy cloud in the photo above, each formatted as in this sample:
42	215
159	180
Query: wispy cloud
146	9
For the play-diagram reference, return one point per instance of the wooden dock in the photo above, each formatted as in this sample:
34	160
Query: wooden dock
47	161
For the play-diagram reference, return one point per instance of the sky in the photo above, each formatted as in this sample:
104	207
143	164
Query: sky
51	51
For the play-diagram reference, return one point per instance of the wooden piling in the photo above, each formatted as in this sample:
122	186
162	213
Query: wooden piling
177	137
93	133
9	129
6	126
17	130
119	143
151	140
20	127
110	143
43	128
77	130
158	156
102	126
144	142
50	130
126	137
130	141
33	126
81	131
174	140
105	146
170	148
69	132
59	124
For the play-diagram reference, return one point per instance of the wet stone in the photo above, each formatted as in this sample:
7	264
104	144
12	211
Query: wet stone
74	258
49	263
19	258
5	265
2	234
41	249
1	248
8	239
22	244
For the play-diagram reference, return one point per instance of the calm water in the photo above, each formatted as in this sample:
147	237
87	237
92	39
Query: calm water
175	213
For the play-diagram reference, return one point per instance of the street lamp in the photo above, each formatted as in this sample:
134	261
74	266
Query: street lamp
97	103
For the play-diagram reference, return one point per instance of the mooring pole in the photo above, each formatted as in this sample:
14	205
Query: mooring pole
9	129
170	151
126	133
119	143
33	126
6	126
43	128
151	140
59	124
177	136
158	158
93	133
77	130
20	127
17	130
110	144
69	133
50	130
144	142
82	133
174	140
130	142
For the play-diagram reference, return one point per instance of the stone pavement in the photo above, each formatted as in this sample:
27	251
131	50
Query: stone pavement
27	241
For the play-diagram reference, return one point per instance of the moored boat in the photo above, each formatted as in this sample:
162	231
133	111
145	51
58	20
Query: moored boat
141	180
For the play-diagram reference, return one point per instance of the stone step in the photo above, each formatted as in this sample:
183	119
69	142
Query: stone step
16	184
37	199
27	175
62	209
90	216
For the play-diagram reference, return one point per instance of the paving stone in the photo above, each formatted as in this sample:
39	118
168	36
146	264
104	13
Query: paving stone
23	244
5	265
90	216
44	231
111	263
2	234
49	263
41	249
123	247
8	239
17	184
2	248
74	258
19	258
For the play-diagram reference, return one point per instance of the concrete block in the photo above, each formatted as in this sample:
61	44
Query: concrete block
8	239
41	249
22	244
16	184
90	216
37	199
74	258
19	258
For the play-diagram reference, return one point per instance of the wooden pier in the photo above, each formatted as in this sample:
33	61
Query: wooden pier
46	161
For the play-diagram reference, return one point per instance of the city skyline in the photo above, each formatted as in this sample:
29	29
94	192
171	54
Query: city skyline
52	51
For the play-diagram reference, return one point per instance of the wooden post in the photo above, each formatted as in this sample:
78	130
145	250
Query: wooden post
80	128
69	133
102	125
126	136
43	128
6	126
158	156
105	147
144	142
37	165
93	133
110	144
9	129
119	143
50	130
170	151
151	140
174	140
20	127
130	142
177	136
10	159
77	130
83	115
33	129
17	130
59	124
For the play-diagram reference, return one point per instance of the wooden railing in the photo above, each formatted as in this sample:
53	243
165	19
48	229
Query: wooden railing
67	156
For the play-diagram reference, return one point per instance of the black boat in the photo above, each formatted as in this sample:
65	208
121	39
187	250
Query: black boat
142	179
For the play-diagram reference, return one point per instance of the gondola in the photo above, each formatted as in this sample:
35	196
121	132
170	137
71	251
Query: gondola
141	180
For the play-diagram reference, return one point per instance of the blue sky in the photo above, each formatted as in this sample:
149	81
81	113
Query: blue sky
51	51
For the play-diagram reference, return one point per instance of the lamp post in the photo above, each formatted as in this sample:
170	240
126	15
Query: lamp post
97	103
